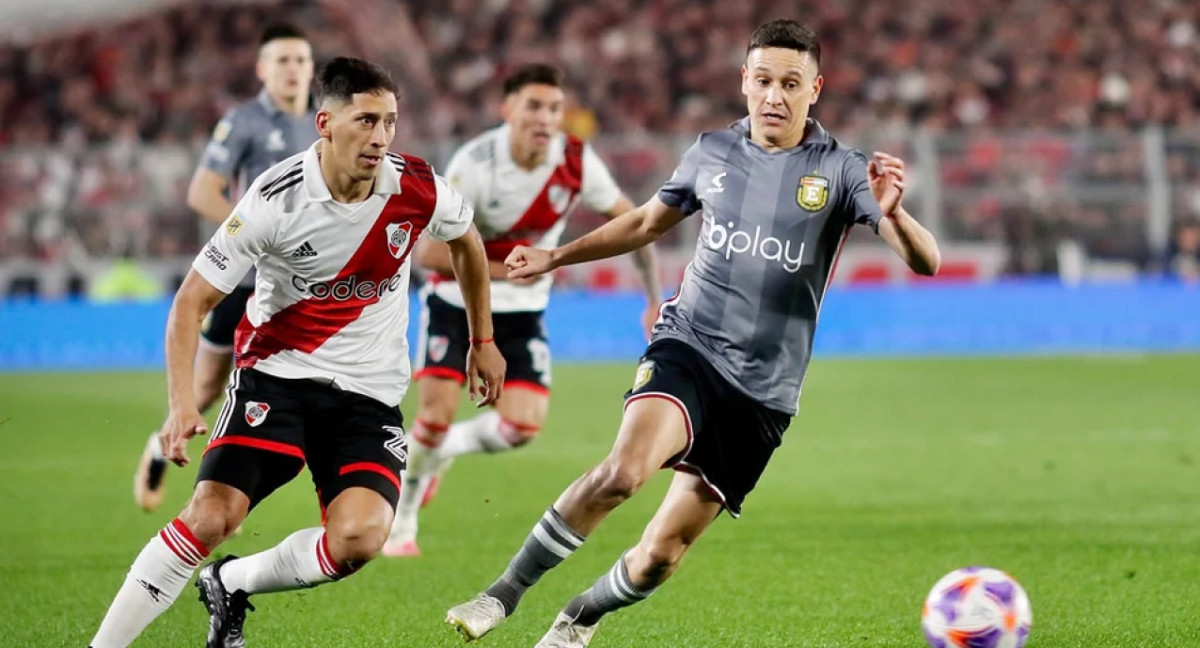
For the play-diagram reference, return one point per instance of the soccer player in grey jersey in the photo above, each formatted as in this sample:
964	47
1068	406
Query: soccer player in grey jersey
721	378
250	138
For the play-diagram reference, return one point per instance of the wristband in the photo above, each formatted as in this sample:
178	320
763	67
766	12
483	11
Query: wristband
480	342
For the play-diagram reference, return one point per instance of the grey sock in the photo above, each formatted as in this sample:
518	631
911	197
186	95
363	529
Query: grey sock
612	591
548	544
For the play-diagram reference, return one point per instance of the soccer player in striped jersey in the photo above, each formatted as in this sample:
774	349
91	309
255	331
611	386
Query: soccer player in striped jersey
721	378
523	178
321	360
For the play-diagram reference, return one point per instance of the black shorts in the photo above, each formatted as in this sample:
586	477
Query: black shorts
730	436
269	427
520	337
218	328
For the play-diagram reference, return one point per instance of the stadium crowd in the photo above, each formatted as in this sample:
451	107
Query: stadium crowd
100	128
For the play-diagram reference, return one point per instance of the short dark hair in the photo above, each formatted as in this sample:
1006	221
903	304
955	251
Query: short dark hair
279	31
787	34
533	73
344	77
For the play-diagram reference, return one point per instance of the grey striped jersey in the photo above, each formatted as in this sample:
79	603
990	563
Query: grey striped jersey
255	136
252	137
773	224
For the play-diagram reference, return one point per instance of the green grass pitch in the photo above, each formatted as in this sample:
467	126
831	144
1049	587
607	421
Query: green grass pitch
1080	476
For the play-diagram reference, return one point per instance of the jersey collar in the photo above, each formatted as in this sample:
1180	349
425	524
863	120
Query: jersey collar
268	104
816	132
386	183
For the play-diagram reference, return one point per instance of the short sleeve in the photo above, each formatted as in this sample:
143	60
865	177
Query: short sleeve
599	192
238	243
463	177
680	190
452	216
226	149
860	204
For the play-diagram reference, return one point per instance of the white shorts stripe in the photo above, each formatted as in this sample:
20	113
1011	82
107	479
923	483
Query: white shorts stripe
687	419
227	408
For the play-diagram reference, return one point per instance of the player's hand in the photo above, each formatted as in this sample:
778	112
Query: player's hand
650	317
524	262
181	425
485	373
886	176
525	281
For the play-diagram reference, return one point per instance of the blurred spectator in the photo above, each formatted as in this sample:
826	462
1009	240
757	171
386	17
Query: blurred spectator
1033	107
1182	259
649	65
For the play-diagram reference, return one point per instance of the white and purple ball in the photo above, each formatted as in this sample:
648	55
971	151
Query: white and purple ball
977	607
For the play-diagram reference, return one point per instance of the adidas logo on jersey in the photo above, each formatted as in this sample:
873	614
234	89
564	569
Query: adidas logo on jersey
305	250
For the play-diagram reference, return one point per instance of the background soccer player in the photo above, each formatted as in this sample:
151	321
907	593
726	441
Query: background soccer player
721	379
523	179
248	140
322	360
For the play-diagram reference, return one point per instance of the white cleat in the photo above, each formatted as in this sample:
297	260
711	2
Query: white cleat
476	617
402	545
565	633
402	541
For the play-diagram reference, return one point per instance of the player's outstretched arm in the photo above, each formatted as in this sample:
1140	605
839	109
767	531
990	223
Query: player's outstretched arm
623	234
646	261
912	242
908	238
196	297
485	366
434	255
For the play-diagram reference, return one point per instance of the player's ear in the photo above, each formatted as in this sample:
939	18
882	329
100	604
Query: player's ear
818	83
260	69
506	106
745	81
323	117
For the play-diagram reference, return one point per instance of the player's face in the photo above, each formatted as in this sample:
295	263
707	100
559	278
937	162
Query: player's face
780	84
535	114
359	132
285	66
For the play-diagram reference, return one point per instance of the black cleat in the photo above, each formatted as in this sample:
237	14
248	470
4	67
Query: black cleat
226	612
149	482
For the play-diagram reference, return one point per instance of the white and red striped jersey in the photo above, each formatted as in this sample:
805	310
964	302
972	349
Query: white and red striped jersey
514	206
331	298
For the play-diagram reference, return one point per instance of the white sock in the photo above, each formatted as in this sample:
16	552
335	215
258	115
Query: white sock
484	433
423	461
412	490
301	560
154	581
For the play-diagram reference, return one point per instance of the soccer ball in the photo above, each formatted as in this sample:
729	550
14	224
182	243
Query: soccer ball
977	607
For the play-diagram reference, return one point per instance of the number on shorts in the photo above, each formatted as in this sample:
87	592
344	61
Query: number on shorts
539	354
398	444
